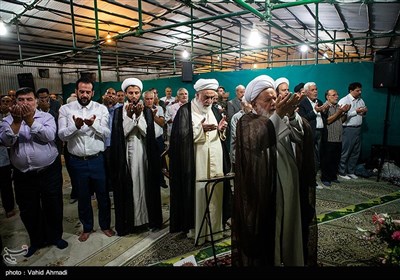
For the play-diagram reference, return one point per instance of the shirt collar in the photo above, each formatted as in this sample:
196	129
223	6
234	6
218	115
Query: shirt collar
89	106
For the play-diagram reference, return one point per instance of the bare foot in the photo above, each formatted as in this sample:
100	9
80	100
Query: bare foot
84	236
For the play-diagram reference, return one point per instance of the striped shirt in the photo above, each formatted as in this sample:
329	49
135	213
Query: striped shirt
335	128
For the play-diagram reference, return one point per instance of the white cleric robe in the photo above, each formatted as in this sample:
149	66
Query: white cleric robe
209	163
135	137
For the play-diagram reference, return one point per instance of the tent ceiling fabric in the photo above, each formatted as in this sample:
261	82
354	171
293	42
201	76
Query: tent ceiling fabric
153	34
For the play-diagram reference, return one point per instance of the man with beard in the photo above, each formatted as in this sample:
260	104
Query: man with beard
135	160
83	124
273	184
196	152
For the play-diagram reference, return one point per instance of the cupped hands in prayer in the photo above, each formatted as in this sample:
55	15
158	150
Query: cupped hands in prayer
22	112
79	122
132	108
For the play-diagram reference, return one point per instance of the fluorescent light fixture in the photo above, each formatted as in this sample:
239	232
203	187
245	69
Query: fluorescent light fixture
185	54
254	39
303	48
3	29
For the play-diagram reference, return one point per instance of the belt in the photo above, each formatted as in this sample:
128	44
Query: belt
40	170
354	126
86	157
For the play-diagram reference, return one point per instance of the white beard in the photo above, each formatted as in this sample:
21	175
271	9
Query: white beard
263	112
204	110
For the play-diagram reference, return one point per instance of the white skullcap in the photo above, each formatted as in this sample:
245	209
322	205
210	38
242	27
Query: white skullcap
206	84
131	82
280	81
256	86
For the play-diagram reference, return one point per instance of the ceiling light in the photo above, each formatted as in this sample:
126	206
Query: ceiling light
303	48
254	38
3	29
185	54
108	38
326	55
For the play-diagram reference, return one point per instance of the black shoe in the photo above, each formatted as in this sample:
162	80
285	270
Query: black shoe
61	244
154	229
31	250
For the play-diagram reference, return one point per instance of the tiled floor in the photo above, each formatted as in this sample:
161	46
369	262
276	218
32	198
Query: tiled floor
98	250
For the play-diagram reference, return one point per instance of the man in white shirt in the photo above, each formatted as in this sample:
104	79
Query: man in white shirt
351	136
84	125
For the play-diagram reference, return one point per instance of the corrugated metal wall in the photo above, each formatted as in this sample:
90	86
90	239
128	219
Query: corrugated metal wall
9	80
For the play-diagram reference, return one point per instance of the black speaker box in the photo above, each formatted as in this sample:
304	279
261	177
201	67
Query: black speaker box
187	71
387	68
26	80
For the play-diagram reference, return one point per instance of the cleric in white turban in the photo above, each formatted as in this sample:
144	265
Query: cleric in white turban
257	85
131	82
281	81
202	84
274	155
198	150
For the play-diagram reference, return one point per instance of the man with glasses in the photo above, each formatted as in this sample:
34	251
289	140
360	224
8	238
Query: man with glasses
332	147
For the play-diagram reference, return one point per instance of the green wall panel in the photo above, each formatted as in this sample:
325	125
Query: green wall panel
337	76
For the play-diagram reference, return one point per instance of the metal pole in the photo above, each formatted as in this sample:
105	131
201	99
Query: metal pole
316	32
19	40
97	38
71	5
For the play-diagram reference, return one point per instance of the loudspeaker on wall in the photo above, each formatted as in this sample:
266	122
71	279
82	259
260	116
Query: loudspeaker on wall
187	71
387	68
26	80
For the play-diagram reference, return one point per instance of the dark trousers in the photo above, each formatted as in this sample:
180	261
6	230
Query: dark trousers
90	176
7	193
317	148
107	166
39	197
330	158
161	147
74	184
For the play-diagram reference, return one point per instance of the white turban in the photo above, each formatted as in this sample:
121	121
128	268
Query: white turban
256	86
206	84
280	81
131	82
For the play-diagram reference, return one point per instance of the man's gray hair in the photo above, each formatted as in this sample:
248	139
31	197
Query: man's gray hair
308	85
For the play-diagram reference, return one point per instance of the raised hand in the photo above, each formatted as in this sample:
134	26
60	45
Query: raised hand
90	121
322	108
208	127
27	113
137	109
16	113
44	105
78	122
223	124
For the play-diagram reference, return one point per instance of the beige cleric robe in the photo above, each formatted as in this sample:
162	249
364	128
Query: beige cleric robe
288	234
209	163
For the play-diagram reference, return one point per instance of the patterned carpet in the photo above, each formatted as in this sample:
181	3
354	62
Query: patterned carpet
341	208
